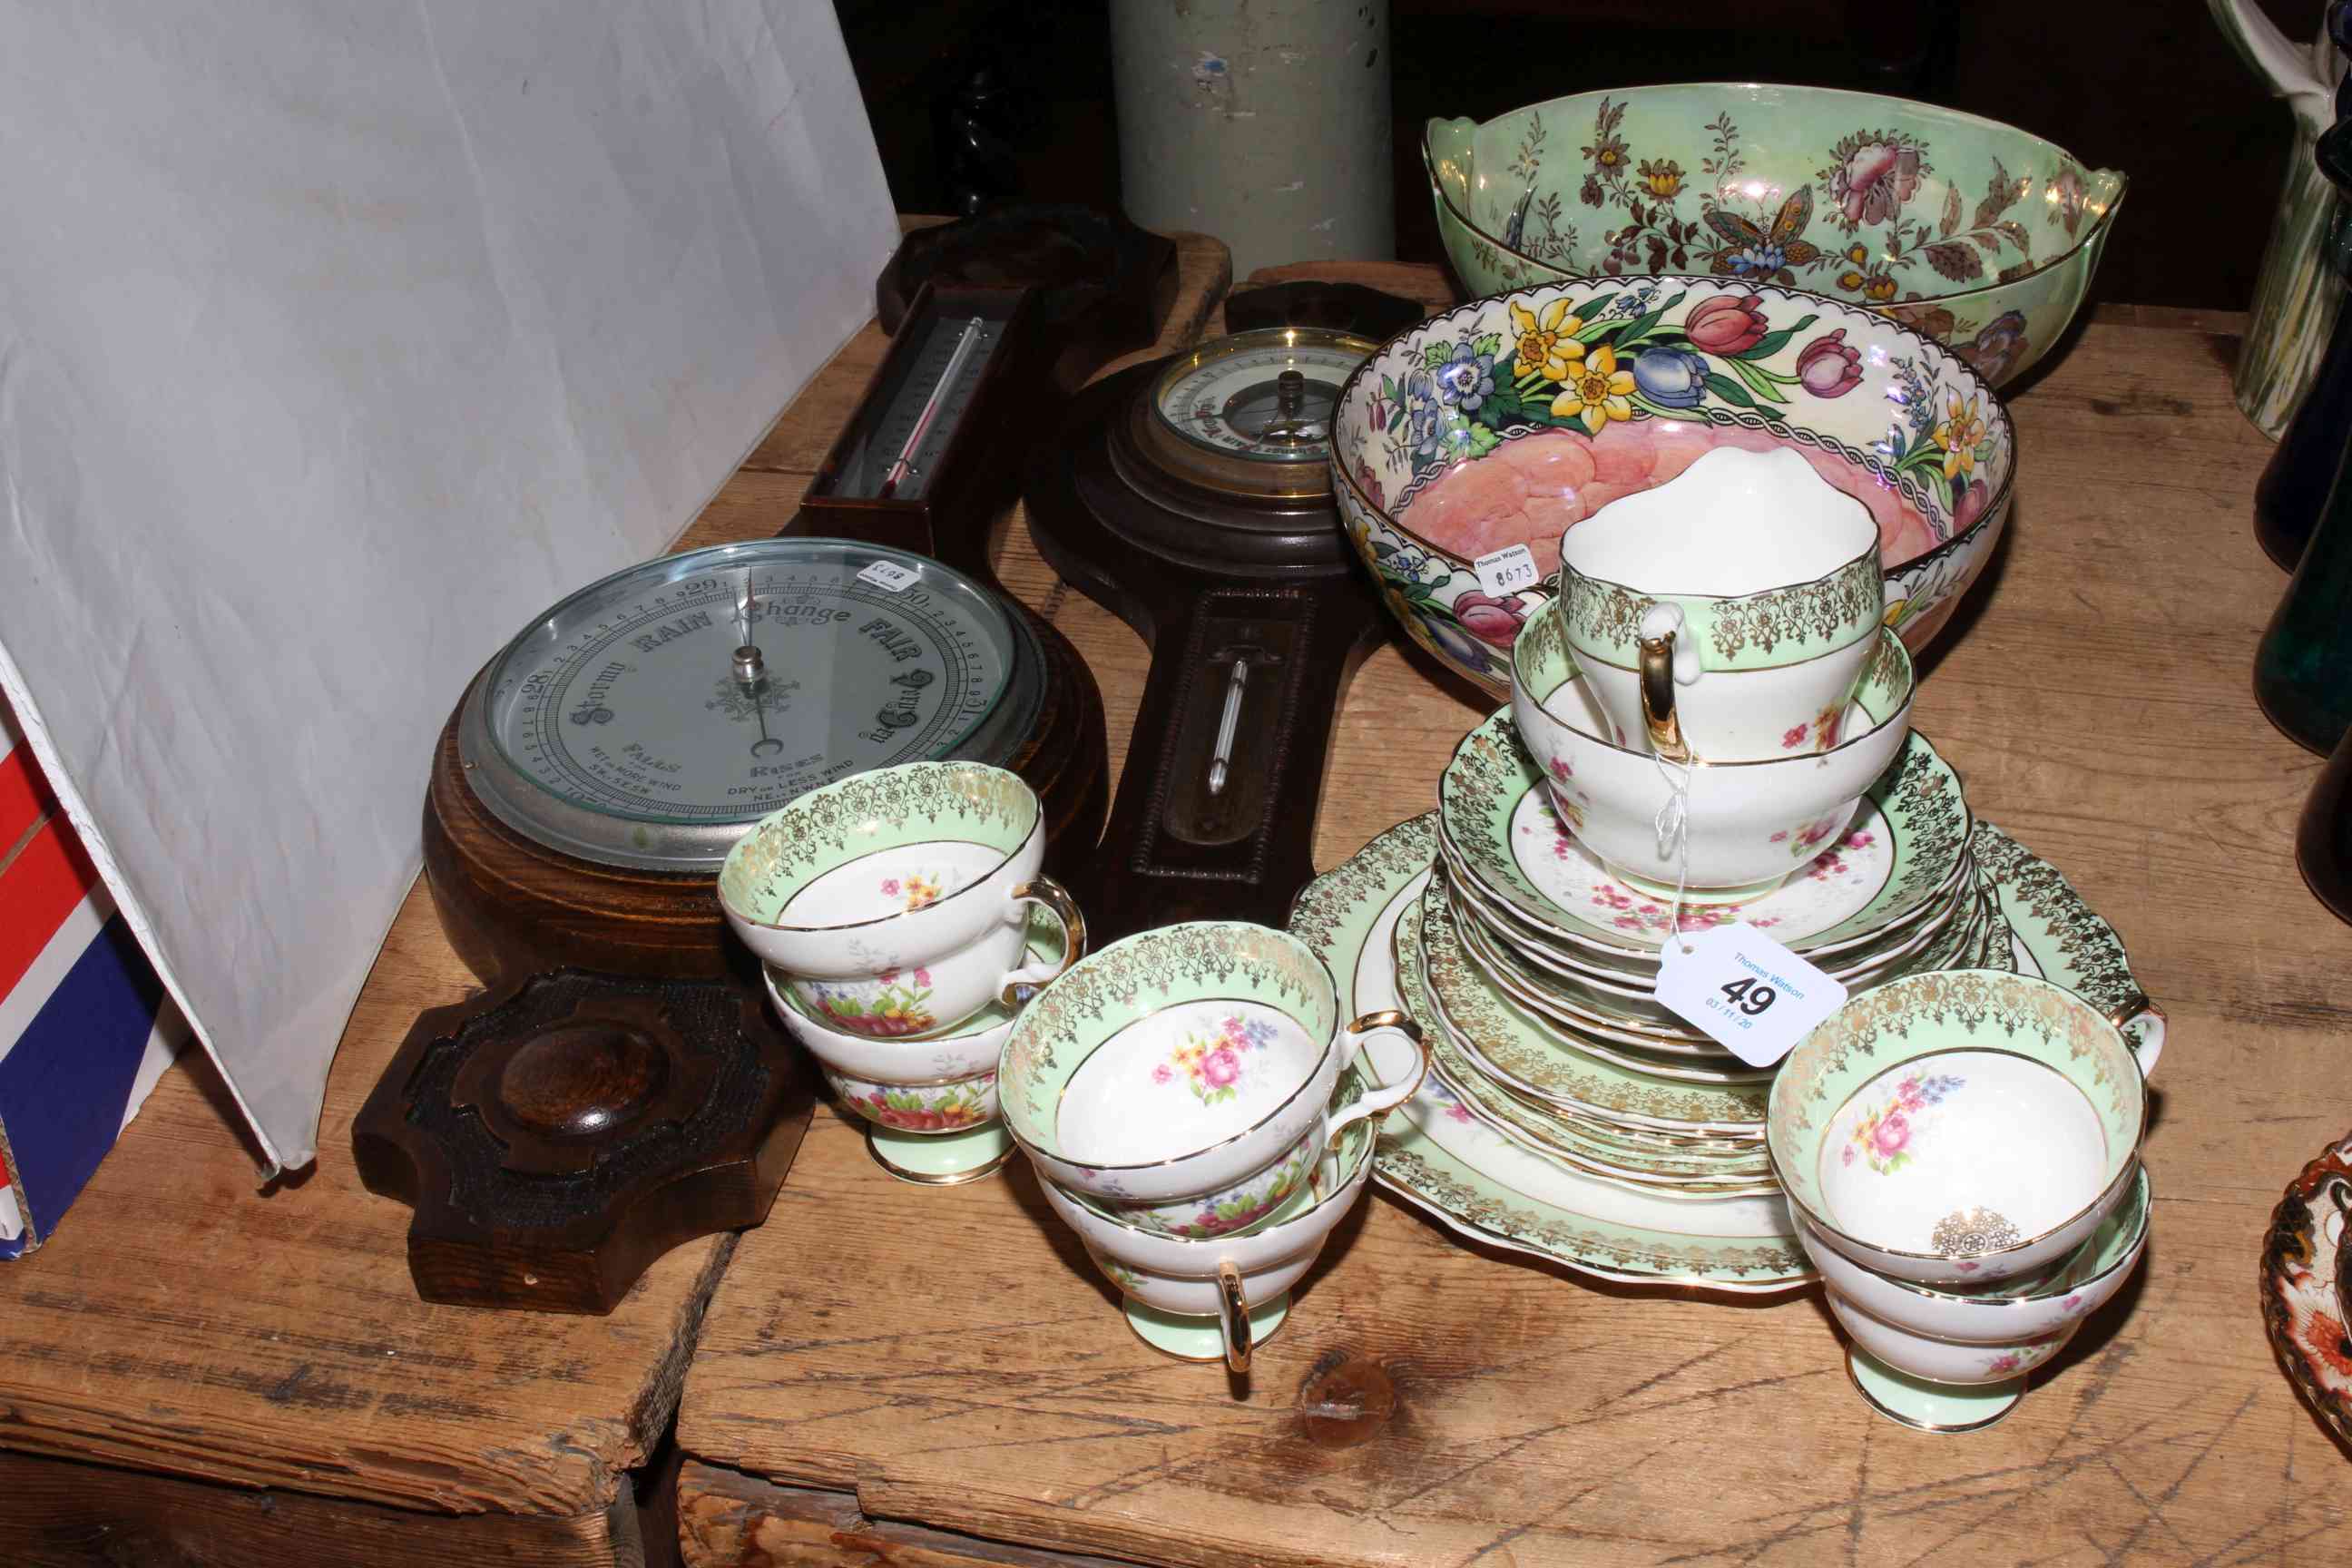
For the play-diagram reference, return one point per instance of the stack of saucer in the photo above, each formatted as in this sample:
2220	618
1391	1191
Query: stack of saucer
1532	962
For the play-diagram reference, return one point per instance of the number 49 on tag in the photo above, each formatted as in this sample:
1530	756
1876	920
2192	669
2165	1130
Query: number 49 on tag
1745	991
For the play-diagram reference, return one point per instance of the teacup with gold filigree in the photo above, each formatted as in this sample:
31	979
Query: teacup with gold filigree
1727	614
895	904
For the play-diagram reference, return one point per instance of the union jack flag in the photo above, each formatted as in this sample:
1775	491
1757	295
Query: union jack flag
85	1026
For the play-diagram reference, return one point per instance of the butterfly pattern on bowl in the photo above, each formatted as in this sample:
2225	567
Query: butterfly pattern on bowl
1897	205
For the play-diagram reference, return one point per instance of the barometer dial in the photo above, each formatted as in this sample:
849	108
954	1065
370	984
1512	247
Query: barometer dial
1267	396
647	719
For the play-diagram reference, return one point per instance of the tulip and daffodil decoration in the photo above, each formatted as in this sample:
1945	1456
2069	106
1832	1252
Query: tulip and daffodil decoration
1612	357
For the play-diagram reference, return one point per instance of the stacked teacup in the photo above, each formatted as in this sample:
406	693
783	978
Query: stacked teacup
1200	1113
902	919
1961	1152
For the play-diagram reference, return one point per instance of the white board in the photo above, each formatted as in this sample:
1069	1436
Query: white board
335	340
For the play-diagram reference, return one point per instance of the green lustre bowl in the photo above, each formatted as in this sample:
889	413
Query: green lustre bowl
1975	233
1510	420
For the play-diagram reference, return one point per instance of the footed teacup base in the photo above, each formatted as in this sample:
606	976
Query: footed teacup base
1693	897
1930	1406
1197	1339
941	1160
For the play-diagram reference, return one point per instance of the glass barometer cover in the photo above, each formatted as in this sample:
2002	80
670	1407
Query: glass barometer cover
1267	395
650	717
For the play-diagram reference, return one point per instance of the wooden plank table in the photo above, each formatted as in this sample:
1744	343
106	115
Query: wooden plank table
195	1372
893	1374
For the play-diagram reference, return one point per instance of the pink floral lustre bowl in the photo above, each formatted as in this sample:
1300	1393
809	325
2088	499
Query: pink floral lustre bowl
1507	421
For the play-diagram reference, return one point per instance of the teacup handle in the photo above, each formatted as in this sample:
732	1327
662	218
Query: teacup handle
1388	1097
1054	896
2150	1043
1656	648
1234	1316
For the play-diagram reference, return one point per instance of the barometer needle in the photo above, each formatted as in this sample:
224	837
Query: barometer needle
750	668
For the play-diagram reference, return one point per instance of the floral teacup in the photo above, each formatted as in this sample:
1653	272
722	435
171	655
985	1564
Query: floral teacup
1235	1207
895	902
1744	823
1202	1297
1729	613
1186	1060
1966	1127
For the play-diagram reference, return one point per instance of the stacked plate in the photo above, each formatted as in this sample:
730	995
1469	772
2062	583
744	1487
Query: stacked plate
1528	1138
1533	966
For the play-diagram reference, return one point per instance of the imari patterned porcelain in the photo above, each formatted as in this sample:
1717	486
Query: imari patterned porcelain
1960	1128
1746	824
2306	1285
930	1104
896	902
1186	1060
1494	807
1975	233
2005	1313
1726	614
1200	1299
1510	420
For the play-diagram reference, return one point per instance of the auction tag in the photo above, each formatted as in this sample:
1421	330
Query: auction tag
1507	571
1745	991
888	575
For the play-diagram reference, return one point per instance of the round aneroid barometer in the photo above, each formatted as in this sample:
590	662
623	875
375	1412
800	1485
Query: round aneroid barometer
650	718
1247	415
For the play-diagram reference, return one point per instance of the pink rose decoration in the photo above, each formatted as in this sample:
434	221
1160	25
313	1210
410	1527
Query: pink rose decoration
1493	621
888	977
1828	367
1726	324
1160	1073
1877	181
1892	1133
1794	737
890	888
922	977
1221	1067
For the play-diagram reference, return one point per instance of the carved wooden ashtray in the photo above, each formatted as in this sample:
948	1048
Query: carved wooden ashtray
560	1132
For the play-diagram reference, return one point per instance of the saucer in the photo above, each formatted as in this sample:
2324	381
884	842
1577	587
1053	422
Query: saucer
1905	846
1520	1050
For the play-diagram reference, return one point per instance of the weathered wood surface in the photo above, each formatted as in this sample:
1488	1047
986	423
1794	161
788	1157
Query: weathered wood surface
67	1515
951	1360
181	1324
